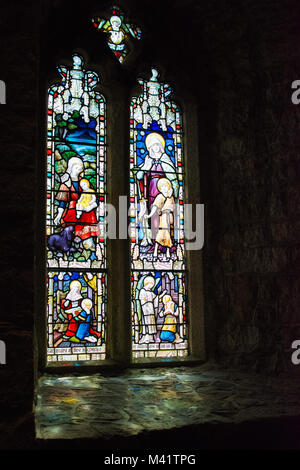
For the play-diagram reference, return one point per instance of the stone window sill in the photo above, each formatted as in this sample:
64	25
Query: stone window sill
129	402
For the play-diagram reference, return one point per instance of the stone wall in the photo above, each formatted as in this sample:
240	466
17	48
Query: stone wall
251	253
18	124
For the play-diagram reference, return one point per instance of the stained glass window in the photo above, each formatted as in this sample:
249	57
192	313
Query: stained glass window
75	210
158	277
117	30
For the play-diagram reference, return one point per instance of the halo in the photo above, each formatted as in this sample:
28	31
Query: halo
117	19
165	181
149	279
87	301
153	138
75	283
85	180
74	161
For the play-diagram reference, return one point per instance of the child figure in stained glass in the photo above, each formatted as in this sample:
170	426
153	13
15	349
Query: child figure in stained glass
87	200
168	332
85	332
164	205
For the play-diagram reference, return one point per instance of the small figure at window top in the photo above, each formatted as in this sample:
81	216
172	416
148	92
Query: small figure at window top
118	31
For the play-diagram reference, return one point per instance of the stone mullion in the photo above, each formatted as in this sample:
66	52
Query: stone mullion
118	328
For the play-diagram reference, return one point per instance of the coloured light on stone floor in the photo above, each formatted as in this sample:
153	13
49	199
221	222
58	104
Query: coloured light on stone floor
148	400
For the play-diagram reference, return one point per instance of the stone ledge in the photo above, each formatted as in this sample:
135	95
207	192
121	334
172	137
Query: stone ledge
105	406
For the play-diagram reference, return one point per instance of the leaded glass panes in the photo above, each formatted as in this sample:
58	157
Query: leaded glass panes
75	210
76	316
159	317
117	30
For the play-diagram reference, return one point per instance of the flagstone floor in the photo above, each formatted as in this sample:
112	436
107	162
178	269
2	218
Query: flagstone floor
137	400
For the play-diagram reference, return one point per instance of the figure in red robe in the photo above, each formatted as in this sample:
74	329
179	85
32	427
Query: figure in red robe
85	226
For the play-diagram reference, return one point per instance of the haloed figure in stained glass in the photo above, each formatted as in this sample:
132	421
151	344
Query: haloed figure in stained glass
116	34
148	301
70	308
77	208
84	331
75	204
118	31
158	309
75	318
87	201
163	205
75	169
170	313
156	165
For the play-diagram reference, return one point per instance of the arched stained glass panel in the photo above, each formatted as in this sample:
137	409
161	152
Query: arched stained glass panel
158	277
76	192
